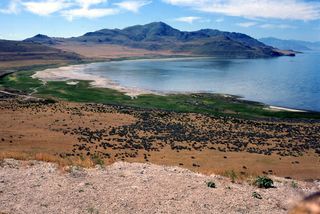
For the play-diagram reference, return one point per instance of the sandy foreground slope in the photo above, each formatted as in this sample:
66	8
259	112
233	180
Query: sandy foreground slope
39	187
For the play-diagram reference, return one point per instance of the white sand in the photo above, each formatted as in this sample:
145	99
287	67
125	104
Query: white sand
72	82
277	108
73	72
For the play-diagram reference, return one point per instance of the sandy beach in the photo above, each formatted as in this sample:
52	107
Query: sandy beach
73	72
278	108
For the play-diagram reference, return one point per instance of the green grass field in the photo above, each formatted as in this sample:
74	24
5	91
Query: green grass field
212	104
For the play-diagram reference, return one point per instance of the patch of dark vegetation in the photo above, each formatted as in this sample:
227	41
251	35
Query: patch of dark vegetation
156	130
211	184
263	182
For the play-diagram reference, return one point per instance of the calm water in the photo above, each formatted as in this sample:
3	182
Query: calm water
286	81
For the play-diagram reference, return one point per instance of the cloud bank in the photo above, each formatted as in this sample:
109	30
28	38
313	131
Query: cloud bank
283	9
132	6
71	9
305	10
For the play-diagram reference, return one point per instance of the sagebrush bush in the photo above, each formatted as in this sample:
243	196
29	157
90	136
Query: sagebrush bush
263	182
211	184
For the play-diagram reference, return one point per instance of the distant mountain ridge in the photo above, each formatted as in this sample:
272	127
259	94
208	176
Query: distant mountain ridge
160	36
295	45
40	38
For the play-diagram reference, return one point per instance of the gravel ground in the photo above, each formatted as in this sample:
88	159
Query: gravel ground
38	187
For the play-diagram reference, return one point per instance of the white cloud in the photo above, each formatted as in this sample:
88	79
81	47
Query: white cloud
186	2
187	19
246	24
88	3
276	26
45	8
71	9
13	7
219	20
88	13
284	9
84	10
131	5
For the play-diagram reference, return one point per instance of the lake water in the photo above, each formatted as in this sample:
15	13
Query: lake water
292	82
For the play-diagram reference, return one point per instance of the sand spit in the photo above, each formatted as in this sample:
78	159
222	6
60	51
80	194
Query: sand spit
73	72
277	108
38	187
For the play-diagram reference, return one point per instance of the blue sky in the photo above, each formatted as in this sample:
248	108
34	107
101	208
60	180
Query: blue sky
287	19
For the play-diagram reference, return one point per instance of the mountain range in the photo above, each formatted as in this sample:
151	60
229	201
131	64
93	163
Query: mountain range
158	36
296	45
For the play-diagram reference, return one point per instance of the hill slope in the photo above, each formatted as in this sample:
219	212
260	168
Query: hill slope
19	55
136	188
158	36
19	50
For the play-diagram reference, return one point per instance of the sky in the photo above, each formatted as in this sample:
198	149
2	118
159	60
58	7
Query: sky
285	19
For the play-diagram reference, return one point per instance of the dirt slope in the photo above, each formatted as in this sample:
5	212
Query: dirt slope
37	187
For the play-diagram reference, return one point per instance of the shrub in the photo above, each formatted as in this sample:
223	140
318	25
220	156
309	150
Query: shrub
294	184
211	184
263	182
256	195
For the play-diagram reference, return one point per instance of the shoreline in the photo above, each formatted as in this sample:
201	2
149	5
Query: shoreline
280	108
71	76
56	74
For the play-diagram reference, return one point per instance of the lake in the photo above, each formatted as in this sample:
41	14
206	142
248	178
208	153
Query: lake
292	82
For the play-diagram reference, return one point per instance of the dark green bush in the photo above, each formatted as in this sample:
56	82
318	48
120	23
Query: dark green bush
211	184
264	182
